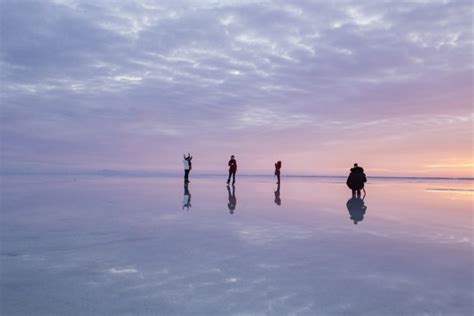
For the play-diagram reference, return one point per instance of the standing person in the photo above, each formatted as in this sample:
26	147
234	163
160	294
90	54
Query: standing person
232	169
277	170
187	167
356	180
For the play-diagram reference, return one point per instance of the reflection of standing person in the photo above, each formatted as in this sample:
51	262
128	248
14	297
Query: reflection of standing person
186	197
232	199
277	170
356	208
356	180
232	169
277	195
187	166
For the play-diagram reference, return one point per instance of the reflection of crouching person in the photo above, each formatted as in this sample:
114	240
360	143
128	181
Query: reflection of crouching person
356	208
356	180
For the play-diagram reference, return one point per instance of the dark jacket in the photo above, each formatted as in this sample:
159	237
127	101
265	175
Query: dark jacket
356	179
232	165
277	168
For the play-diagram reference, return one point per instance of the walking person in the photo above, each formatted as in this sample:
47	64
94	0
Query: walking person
356	180
232	169
187	166
277	170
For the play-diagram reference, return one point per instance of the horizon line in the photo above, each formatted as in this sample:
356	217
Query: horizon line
144	173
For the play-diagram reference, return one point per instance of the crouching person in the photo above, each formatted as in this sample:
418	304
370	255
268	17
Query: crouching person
356	180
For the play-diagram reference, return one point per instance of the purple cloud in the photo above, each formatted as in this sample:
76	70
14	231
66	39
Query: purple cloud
133	84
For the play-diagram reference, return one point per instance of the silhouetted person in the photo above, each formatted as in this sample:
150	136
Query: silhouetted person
277	170
356	180
186	197
232	199
356	208
232	169
190	158
277	195
187	166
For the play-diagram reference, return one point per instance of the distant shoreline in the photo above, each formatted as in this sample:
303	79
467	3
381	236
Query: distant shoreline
148	174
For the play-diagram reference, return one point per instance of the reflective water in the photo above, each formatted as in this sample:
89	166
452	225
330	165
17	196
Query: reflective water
149	246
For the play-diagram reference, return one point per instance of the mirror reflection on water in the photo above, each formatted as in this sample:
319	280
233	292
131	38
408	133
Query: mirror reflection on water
125	245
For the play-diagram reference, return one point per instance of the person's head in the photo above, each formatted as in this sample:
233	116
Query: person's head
356	165
232	157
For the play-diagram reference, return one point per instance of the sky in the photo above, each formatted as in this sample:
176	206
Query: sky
319	85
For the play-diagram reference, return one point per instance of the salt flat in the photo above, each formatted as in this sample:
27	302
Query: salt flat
90	245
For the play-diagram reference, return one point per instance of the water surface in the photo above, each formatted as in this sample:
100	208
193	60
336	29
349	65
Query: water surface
125	245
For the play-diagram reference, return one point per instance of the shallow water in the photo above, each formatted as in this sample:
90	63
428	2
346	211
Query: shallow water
125	245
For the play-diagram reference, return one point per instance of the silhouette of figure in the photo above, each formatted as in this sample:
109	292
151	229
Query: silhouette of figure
232	169
186	197
356	208
232	199
277	195
356	179
277	170
187	166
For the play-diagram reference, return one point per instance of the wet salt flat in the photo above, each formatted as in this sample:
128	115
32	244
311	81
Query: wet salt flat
125	245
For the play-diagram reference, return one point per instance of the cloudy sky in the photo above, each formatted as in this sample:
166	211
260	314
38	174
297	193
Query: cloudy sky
132	85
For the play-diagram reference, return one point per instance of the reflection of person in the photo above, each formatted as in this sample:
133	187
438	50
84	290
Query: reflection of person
186	197
187	166
277	170
232	169
232	199
356	208
356	180
277	195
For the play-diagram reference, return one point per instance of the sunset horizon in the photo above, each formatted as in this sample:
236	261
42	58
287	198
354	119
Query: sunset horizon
236	157
137	85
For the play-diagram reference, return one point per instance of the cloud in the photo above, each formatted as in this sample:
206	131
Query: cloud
258	117
122	271
127	71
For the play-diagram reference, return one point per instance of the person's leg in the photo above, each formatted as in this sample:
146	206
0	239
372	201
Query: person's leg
233	177
358	193
228	179
278	175
186	174
353	192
